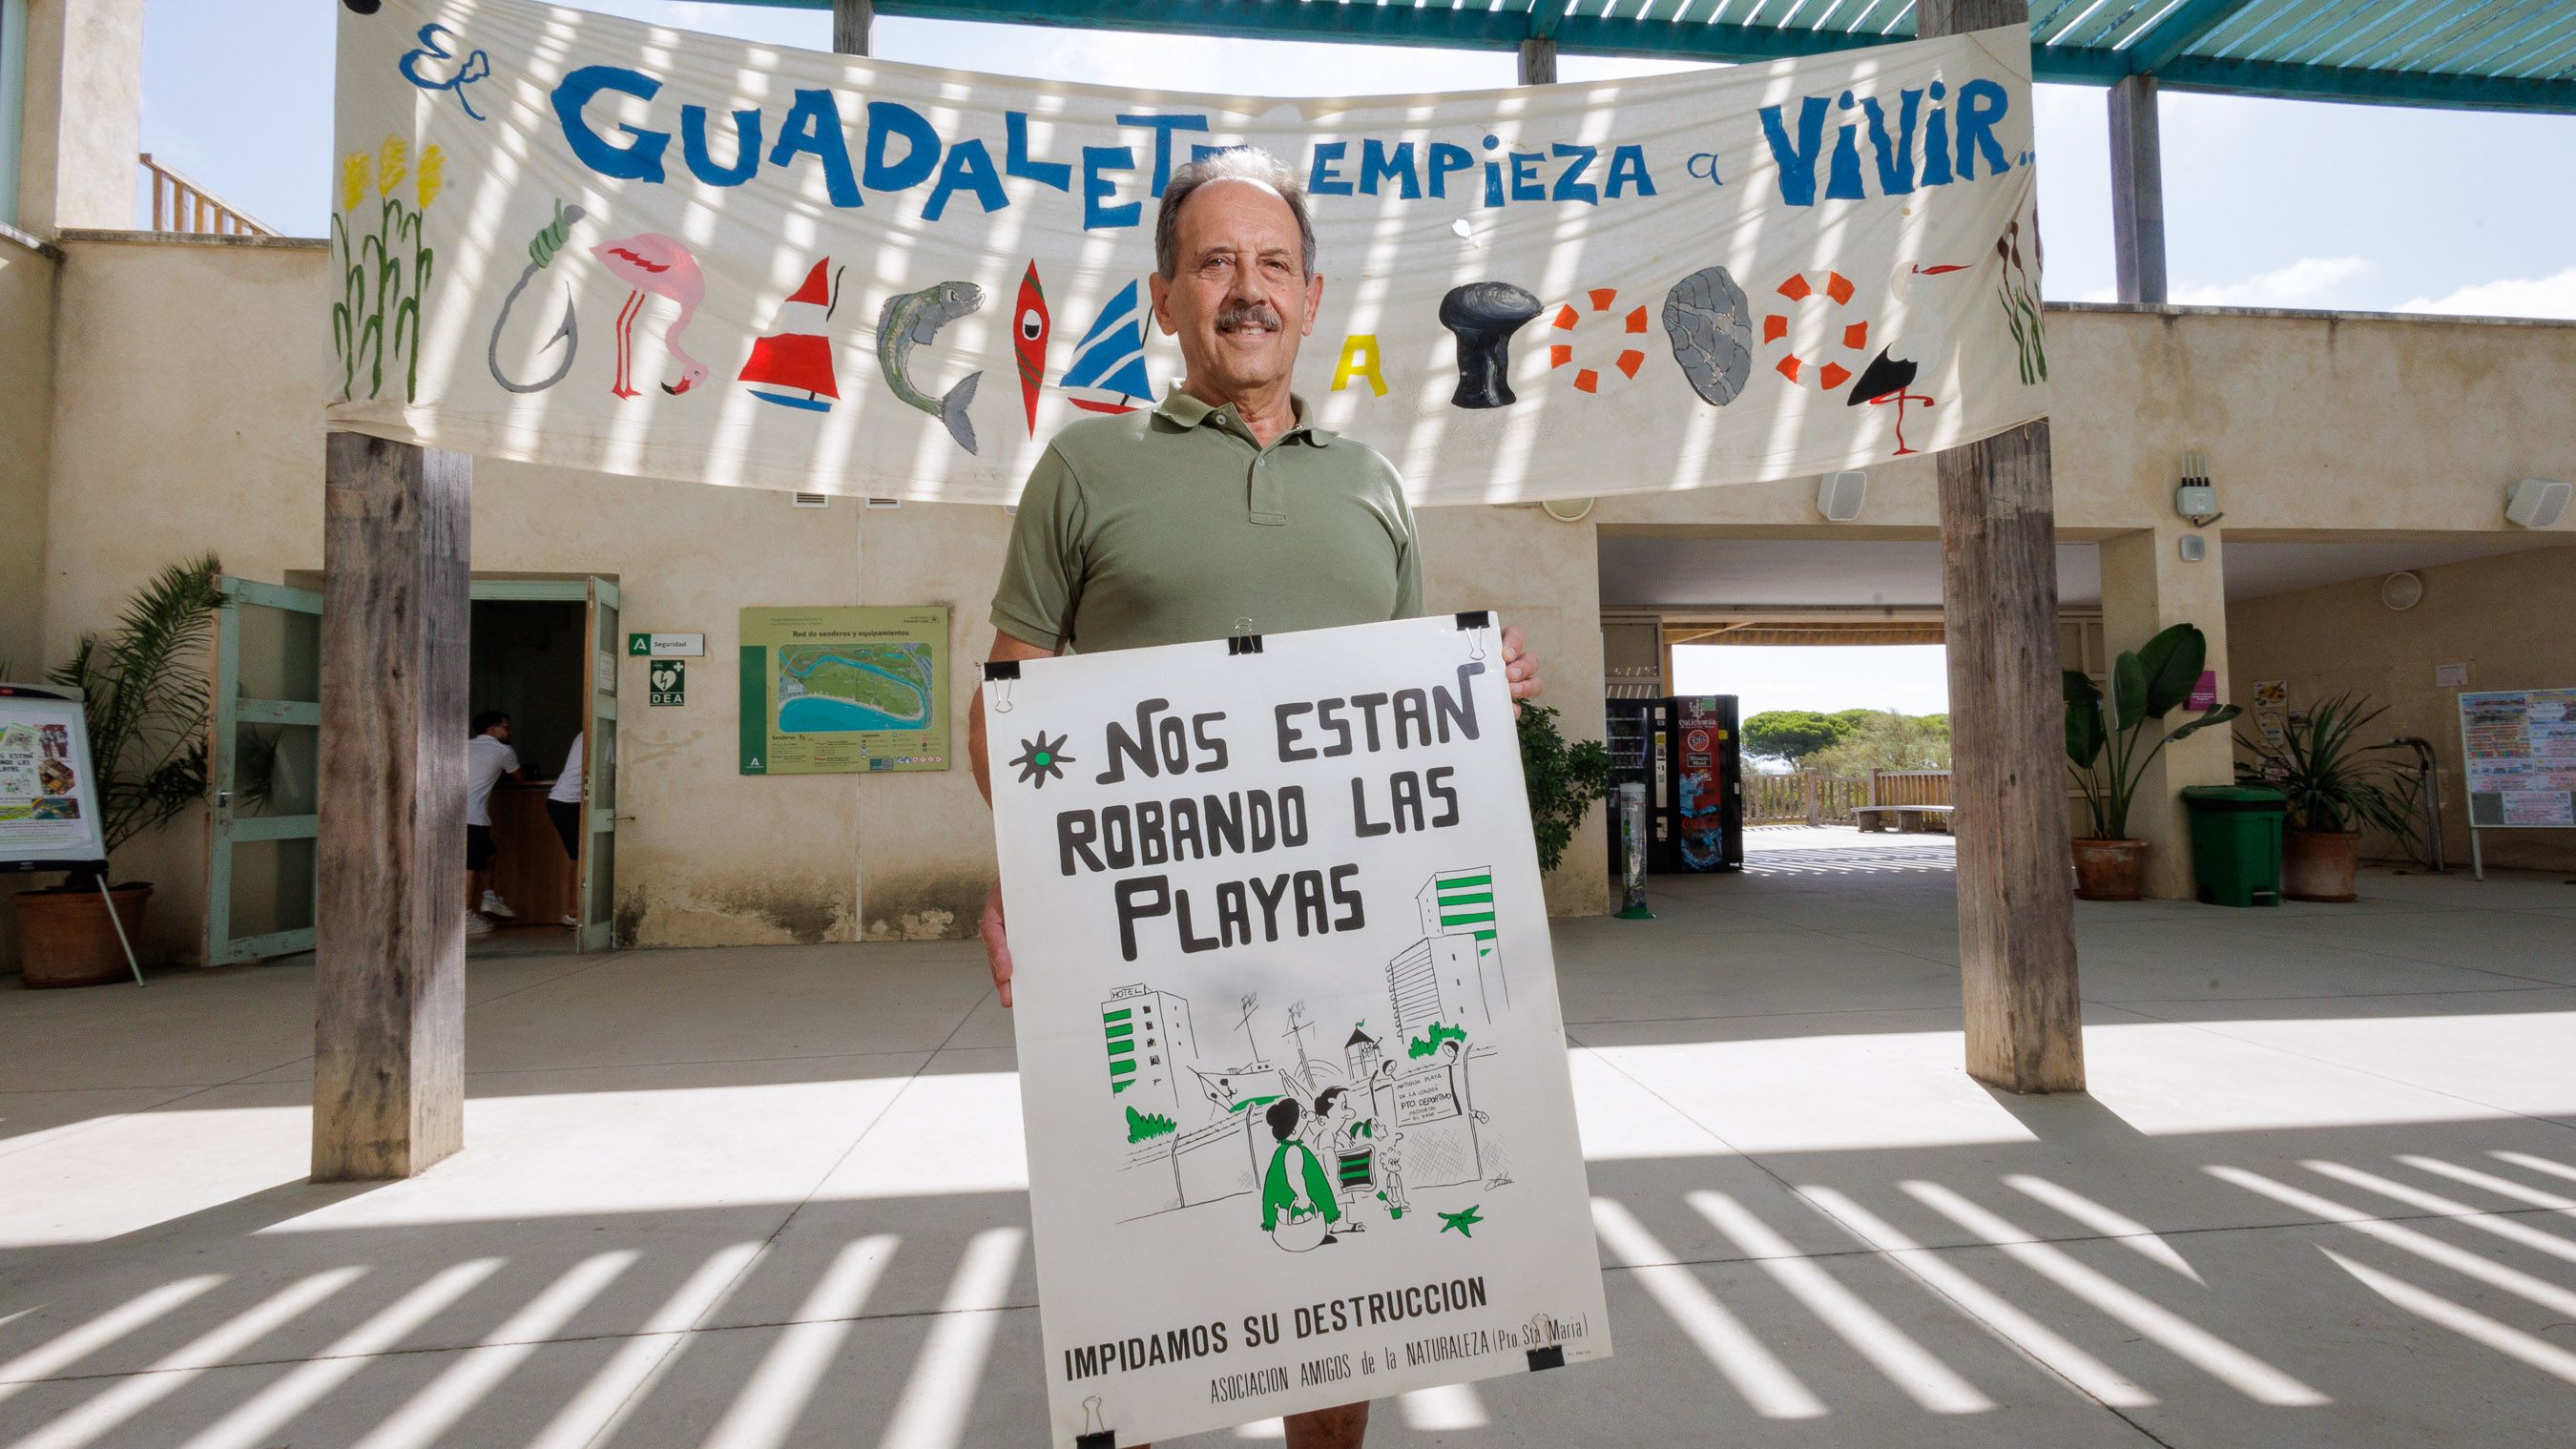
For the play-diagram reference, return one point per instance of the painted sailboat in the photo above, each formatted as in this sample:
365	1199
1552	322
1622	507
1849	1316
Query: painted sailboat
1107	374
792	366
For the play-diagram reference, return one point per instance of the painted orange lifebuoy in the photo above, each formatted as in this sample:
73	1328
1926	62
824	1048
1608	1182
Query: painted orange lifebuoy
1603	300
1837	289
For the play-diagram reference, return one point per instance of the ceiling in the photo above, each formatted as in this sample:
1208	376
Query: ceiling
2515	55
1687	573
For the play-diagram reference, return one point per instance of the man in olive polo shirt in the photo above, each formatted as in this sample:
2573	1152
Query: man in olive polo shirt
1223	510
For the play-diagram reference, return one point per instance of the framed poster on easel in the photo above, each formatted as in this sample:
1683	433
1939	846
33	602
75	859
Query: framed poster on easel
2519	748
49	805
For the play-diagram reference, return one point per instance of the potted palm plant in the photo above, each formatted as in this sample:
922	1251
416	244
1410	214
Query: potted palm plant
2335	787
2108	750
143	696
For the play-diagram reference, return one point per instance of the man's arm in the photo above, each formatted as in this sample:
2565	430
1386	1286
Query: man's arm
997	946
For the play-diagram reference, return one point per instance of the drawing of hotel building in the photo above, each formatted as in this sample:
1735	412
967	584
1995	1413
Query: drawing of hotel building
1147	1033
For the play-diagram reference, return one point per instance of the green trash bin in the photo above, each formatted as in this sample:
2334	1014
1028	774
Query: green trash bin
2236	843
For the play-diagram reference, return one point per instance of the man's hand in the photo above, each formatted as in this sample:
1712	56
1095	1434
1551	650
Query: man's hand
1520	667
997	946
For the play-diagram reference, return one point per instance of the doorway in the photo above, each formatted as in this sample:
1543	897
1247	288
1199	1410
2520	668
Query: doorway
545	653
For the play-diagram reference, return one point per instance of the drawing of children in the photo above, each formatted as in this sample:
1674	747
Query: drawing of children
1349	1144
1298	1209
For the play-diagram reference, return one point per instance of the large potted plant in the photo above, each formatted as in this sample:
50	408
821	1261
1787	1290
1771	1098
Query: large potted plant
2335	787
2108	750
143	695
1564	778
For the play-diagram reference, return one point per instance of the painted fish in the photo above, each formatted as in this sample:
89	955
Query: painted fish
1034	325
912	319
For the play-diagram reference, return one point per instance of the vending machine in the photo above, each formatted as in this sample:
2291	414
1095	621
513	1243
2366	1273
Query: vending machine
1706	766
1685	750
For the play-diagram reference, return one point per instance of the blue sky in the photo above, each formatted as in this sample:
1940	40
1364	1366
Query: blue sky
2268	203
1905	678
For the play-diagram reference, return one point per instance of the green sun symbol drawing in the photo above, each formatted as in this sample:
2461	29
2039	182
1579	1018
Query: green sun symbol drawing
1464	1222
1040	760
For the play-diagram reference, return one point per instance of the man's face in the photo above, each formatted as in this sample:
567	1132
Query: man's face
1239	298
500	731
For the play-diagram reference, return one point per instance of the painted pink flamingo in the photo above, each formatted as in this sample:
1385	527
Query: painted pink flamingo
661	265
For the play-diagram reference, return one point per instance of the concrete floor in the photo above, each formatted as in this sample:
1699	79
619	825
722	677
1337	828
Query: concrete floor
2322	1192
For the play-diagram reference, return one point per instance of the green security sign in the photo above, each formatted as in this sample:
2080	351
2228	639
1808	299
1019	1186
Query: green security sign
669	682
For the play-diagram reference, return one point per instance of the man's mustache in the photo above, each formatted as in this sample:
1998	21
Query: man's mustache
1236	318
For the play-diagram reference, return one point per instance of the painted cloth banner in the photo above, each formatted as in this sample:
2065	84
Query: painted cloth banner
1300	1126
571	239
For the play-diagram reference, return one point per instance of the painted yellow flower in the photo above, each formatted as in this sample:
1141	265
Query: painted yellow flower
353	180
433	175
389	165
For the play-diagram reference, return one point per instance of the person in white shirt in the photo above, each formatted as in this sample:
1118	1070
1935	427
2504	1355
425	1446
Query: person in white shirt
563	807
488	757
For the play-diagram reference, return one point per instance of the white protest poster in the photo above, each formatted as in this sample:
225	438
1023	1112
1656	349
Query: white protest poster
569	238
1300	1127
49	817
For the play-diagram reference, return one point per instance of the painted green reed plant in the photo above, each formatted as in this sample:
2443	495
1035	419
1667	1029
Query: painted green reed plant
383	273
2020	296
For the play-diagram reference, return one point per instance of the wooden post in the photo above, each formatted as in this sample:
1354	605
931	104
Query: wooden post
851	22
389	937
1807	786
2008	777
1538	60
2137	191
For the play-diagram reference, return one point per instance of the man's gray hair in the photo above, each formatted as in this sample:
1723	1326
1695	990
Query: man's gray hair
1235	163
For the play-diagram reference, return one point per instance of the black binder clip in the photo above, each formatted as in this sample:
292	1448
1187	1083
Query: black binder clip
1091	1438
1003	672
1475	622
1552	1356
1243	640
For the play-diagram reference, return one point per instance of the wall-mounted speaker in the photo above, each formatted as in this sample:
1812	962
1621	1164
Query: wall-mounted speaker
2536	502
1839	496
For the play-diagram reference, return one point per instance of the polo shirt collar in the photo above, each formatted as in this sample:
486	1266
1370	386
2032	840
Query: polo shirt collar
1185	411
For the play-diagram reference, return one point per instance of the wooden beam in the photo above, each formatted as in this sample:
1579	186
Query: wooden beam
389	935
2137	191
852	20
2015	874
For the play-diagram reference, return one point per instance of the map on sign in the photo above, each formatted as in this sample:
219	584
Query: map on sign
838	690
854	687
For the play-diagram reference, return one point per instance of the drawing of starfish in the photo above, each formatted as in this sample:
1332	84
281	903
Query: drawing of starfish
1464	1222
1040	761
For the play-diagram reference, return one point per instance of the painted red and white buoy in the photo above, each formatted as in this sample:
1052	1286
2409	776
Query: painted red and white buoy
1601	302
1830	371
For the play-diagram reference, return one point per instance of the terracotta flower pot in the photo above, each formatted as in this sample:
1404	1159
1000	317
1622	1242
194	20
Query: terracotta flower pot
66	939
2319	865
2110	870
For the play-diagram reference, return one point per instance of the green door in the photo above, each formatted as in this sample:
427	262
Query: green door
262	752
599	774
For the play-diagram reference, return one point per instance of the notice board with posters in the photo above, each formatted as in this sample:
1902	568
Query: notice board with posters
2520	749
844	690
49	817
1300	1127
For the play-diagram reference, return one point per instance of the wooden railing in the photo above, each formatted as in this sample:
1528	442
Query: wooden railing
1810	798
1909	787
1805	798
181	205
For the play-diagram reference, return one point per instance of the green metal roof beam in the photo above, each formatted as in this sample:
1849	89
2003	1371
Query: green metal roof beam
2178	31
2368	87
1719	41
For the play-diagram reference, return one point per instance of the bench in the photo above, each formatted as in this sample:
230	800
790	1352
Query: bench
1908	819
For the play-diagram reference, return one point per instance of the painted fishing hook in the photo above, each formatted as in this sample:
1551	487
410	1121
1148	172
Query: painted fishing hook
541	253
